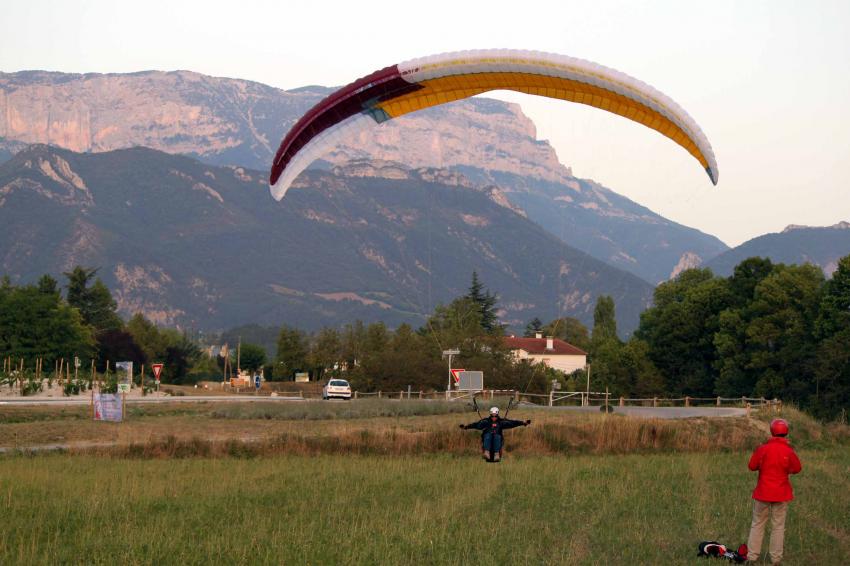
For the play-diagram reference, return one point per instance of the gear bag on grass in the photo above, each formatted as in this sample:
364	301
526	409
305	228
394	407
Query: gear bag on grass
717	550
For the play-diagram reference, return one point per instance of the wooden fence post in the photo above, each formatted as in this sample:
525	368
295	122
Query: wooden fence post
743	400
355	394
687	401
655	401
551	397
622	402
749	407
718	400
420	394
379	394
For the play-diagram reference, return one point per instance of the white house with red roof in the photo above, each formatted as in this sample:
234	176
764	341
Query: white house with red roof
553	352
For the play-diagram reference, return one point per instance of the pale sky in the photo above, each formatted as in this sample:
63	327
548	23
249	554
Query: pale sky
768	82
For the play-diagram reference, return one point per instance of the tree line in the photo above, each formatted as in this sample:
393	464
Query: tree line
769	330
373	357
38	321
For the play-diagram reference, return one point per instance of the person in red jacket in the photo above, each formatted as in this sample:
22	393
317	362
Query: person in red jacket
774	460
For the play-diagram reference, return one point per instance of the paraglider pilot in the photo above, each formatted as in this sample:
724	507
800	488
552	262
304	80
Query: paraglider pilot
491	432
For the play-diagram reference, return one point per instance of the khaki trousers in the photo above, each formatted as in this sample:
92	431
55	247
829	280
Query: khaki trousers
777	512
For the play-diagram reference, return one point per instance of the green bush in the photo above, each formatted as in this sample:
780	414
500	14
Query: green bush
71	388
31	387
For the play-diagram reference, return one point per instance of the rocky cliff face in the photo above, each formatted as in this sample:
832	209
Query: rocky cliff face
179	112
479	133
243	122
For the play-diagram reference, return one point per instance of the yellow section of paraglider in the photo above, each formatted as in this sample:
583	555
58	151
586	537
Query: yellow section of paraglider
456	87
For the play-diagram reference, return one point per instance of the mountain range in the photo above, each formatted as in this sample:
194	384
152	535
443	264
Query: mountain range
383	228
235	122
192	244
821	246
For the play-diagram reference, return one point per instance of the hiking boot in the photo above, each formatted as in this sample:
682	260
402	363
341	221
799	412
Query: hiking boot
486	454
497	456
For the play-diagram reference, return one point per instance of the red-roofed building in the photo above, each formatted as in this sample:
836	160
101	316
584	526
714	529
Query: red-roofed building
553	352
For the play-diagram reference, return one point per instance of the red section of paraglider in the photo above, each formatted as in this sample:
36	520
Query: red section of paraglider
361	95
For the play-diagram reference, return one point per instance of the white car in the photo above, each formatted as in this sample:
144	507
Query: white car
336	388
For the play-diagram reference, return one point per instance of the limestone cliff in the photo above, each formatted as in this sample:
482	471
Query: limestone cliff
241	122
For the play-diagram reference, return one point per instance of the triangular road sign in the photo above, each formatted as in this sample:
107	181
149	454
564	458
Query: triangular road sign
157	370
456	375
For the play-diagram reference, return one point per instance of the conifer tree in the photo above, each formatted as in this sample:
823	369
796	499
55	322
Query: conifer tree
486	302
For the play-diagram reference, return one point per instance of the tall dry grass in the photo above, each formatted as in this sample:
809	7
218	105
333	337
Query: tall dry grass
330	410
585	434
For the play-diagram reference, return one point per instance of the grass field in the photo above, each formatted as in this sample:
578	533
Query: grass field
391	510
405	488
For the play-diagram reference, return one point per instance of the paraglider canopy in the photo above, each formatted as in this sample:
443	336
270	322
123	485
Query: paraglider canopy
430	81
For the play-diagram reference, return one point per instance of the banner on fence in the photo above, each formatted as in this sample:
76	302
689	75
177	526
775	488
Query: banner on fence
108	407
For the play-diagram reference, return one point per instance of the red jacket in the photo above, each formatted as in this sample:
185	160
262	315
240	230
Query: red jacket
774	460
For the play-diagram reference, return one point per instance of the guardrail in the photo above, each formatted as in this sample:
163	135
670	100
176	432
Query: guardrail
585	399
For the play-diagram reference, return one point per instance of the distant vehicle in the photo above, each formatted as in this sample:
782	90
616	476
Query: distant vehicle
336	388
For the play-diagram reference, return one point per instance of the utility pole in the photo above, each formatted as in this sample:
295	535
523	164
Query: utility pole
238	354
449	354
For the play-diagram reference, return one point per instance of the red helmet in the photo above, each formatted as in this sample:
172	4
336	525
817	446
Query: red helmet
778	427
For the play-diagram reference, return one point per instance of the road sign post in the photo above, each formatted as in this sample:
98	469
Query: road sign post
449	354
157	371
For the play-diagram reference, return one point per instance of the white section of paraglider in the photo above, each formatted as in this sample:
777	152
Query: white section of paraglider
564	67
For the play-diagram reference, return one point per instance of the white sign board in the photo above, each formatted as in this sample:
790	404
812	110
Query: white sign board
125	380
470	380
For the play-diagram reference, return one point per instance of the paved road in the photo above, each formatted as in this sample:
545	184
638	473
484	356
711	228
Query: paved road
647	412
155	400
